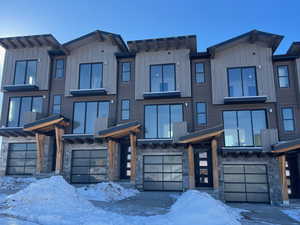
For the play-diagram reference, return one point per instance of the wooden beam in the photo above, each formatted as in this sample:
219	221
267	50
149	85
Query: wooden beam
121	133
111	150
214	156
283	180
202	137
133	158
59	149
191	167
40	141
287	149
43	125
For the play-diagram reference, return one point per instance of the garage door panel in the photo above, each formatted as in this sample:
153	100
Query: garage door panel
153	159
155	186
29	170
80	179
16	162
31	154
237	178
81	162
172	168
99	154
255	169
81	170
258	197
256	178
17	154
173	186
257	188
172	177
153	177
98	162
172	159
15	170
153	168
98	170
30	162
97	178
233	169
235	197
232	187
17	147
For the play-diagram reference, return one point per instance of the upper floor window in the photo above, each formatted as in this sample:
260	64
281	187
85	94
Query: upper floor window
85	115
59	68
18	106
200	76
159	120
242	82
56	104
25	72
243	128
126	71
283	76
125	110
162	78
201	113
288	119
90	76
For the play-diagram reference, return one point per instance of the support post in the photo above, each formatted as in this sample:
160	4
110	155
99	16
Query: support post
59	149
214	155
133	158
283	181
40	141
191	167
111	163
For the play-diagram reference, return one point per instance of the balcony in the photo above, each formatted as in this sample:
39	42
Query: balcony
88	92
21	87
163	94
245	99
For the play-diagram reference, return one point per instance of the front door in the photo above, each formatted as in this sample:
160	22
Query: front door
292	175
203	169
125	161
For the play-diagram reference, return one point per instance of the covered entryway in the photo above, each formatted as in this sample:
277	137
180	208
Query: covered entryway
292	175
162	173
89	166
246	183
21	159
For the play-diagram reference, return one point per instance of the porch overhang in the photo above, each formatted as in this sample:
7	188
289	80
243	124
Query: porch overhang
15	132
80	138
286	146
120	131
201	135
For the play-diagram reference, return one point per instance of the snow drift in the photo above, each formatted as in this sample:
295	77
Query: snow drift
13	184
54	201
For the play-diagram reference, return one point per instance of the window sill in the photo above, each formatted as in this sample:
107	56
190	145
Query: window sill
245	99
21	87
88	92
159	95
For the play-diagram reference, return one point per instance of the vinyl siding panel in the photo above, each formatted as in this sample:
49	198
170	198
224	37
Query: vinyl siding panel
183	73
102	52
239	56
43	65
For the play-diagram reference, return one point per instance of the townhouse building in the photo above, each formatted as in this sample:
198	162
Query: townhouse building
156	113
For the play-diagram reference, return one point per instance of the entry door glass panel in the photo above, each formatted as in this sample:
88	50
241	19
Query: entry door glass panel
203	169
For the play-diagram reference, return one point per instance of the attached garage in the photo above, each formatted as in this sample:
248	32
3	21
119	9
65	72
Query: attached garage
246	183
21	159
162	173
89	166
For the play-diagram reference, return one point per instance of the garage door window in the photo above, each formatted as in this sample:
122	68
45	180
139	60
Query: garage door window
21	159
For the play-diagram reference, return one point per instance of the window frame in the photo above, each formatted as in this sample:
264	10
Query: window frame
288	75
124	109
129	71
53	105
204	80
162	65
283	119
242	81
90	88
25	75
205	113
55	68
238	134
157	137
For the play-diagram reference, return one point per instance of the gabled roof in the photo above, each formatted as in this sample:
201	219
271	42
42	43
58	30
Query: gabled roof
294	49
29	41
168	43
97	35
272	40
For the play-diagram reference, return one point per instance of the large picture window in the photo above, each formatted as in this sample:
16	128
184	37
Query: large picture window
85	115
162	78
242	82
159	119
18	106
25	72
242	128
90	76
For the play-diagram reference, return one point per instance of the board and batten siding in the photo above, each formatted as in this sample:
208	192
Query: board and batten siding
298	72
179	57
94	52
242	55
43	64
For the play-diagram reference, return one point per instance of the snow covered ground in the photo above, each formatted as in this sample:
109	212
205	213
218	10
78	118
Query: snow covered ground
54	201
8	184
293	213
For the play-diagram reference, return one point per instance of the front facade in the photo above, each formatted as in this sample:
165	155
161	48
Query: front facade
156	113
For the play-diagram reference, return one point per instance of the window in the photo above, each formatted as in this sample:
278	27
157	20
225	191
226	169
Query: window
90	76
200	73
242	82
162	78
126	70
242	128
85	114
25	72
159	119
18	106
56	104
288	119
283	76
125	110
201	113
59	68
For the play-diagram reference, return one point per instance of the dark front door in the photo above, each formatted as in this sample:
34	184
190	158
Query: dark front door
292	174
125	161
203	171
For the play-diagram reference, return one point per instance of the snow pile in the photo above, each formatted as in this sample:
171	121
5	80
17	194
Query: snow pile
293	213
13	183
106	191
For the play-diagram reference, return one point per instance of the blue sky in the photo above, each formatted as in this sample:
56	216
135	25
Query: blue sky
212	21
